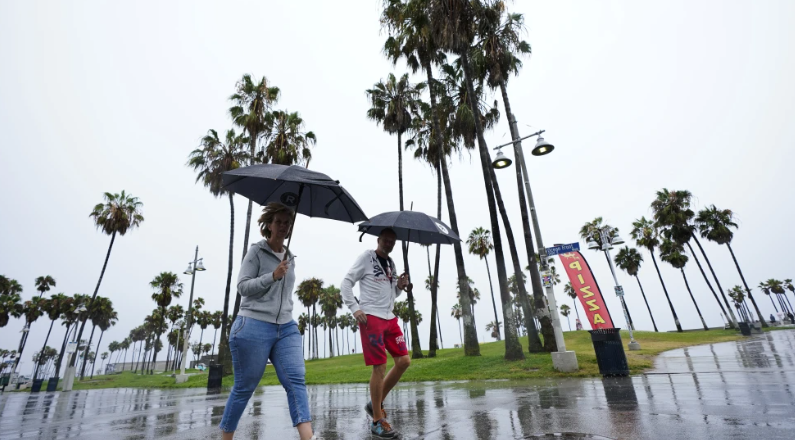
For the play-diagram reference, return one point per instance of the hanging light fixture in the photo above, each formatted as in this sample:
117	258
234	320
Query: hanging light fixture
501	161
200	265
189	270
542	147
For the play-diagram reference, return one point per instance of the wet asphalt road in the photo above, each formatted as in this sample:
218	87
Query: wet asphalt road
733	390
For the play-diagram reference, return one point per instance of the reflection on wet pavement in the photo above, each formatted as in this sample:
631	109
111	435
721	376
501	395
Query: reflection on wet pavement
730	390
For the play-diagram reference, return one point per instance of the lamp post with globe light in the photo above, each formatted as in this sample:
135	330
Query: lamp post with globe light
196	266
562	360
607	244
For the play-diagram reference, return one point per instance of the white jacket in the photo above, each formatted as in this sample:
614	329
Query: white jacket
376	293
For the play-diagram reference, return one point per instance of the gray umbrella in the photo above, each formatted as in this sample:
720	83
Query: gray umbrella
411	226
308	192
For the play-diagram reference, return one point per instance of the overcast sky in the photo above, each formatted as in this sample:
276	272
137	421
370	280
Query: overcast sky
636	96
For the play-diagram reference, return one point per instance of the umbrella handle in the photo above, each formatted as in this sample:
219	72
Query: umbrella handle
295	216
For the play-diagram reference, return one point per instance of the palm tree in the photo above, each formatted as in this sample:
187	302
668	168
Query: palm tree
716	225
288	142
674	254
646	236
777	287
738	296
107	318
101	314
308	293
119	214
251	106
479	242
565	310
10	298
629	260
124	345
789	286
571	293
112	348
43	284
69	317
456	313
32	310
330	301
392	104
167	287
216	321
303	324
54	308
409	27
211	160
173	314
766	290
672	215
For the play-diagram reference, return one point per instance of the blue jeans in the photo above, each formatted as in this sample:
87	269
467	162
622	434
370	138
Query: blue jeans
252	343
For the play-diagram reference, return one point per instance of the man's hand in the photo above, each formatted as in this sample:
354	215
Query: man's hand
281	269
361	318
403	281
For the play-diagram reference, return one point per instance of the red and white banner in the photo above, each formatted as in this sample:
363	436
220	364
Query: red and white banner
584	284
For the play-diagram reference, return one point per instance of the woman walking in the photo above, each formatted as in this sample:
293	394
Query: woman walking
264	328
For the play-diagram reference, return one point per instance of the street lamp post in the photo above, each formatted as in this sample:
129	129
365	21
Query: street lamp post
562	360
195	266
607	243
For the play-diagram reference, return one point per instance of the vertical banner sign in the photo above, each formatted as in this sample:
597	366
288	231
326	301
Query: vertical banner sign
584	284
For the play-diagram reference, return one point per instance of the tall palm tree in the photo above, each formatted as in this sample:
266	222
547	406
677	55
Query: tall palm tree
124	345
288	142
571	293
674	254
54	308
216	321
456	313
303	325
716	225
492	328
69	318
330	301
777	287
174	314
738	296
672	214
10	305
108	318
167	287
309	292
118	214
629	260
479	242
211	160
100	310
766	290
789	286
410	38
392	104
32	310
43	284
565	310
646	236
251	106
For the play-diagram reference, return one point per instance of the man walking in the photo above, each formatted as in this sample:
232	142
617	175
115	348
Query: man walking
380	331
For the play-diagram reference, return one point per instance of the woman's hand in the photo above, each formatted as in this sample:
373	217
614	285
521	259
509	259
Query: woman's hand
281	270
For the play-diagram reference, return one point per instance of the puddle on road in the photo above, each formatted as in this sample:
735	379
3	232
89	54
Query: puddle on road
568	436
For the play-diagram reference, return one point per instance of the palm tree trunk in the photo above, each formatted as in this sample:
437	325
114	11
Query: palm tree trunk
215	333
771	302
647	304
670	304
36	371
703	323
731	323
742	277
432	344
578	312
63	351
785	297
138	359
101	333
314	316
253	151
547	329
493	302
85	356
96	290
224	355
513	348
715	277
471	347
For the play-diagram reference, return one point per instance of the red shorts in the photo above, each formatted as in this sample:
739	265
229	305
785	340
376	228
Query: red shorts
378	337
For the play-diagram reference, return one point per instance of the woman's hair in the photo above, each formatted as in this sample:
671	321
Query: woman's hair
268	214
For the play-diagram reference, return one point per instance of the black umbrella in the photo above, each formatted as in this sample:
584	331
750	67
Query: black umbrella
411	226
308	192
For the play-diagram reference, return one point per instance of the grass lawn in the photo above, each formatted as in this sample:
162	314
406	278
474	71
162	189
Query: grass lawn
449	364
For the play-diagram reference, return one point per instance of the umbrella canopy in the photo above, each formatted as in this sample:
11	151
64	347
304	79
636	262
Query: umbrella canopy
308	192
411	226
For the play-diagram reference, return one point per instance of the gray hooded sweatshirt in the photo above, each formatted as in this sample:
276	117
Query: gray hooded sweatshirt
265	299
